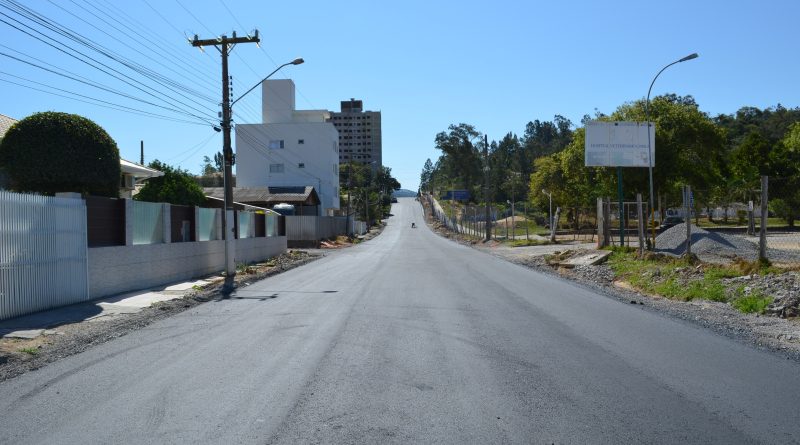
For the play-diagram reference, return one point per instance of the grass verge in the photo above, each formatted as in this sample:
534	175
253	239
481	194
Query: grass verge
685	280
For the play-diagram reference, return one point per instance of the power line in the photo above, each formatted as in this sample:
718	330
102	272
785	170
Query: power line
100	86
110	105
145	55
59	47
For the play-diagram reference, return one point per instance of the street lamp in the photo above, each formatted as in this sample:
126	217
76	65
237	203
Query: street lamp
649	149
296	61
550	214
227	108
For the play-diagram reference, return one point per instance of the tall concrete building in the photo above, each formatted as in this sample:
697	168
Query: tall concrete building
359	133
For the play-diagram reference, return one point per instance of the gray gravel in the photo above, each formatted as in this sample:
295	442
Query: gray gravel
710	247
721	248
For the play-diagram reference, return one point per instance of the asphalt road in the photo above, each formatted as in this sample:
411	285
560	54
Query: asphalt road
410	338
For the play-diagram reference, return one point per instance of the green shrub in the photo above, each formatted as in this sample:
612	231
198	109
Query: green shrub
55	152
175	187
755	303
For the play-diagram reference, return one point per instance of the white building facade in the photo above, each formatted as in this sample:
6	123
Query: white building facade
290	147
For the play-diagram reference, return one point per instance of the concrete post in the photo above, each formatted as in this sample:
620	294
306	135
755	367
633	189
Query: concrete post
128	222
687	193
762	235
641	223
166	223
601	240
218	224
554	226
197	223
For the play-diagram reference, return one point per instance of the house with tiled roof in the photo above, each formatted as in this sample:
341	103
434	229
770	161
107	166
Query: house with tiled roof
5	123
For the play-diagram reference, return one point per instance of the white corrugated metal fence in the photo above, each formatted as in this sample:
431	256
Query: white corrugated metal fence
43	253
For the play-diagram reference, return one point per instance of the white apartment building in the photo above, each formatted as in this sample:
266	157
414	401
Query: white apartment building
290	147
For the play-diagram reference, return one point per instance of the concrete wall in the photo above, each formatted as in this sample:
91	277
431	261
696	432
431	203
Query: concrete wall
114	270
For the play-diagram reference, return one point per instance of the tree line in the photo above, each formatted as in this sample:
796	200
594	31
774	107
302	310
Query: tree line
722	157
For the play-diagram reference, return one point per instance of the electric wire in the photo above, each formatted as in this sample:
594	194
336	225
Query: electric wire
99	86
55	27
90	101
143	54
108	70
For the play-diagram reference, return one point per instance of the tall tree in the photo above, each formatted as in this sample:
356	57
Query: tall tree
426	176
461	160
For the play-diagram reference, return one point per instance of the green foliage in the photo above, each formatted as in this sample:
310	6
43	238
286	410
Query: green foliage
29	350
461	161
670	278
426	176
175	187
529	242
753	303
53	152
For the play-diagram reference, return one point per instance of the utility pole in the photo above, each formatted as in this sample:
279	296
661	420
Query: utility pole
141	152
225	44
486	186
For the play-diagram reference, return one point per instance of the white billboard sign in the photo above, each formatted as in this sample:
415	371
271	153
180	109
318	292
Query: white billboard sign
619	144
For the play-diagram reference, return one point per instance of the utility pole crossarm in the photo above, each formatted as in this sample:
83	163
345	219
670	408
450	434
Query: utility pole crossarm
224	40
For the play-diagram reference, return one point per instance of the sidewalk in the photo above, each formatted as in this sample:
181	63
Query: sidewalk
34	325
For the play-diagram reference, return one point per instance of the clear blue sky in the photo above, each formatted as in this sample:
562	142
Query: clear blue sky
425	65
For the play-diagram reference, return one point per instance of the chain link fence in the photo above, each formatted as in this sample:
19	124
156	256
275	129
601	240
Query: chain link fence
748	224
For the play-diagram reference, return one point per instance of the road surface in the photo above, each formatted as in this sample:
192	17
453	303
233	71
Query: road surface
410	338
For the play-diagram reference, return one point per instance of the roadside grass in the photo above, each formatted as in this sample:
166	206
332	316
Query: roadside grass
29	350
756	302
680	279
528	242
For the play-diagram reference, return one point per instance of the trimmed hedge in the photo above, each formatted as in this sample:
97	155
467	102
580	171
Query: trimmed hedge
54	152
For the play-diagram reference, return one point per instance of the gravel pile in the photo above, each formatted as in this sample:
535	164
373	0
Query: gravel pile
710	247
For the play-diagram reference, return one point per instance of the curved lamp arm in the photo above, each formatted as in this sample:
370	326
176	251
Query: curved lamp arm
296	61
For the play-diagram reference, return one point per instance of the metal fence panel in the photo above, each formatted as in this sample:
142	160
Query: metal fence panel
315	228
246	224
43	253
148	227
272	224
208	224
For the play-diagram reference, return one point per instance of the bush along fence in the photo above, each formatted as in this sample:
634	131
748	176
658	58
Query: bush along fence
717	227
61	250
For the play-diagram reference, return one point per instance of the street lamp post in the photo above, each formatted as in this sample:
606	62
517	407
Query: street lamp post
649	148
230	269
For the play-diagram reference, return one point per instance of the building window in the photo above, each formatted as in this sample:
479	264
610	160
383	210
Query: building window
300	142
276	168
276	144
301	165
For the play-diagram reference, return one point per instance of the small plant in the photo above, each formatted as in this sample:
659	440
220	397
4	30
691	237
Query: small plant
529	242
245	268
761	266
29	350
754	303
